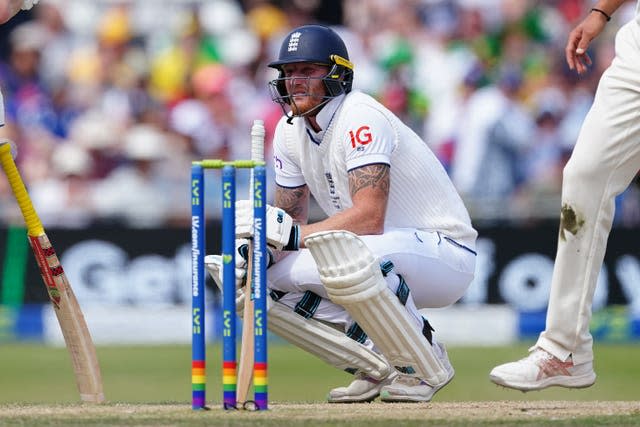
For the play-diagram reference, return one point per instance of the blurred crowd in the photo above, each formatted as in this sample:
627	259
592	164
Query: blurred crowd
110	101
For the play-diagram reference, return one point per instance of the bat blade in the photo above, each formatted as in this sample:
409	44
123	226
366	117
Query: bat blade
245	369
70	317
247	346
72	323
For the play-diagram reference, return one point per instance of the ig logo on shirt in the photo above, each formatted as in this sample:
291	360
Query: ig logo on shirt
360	137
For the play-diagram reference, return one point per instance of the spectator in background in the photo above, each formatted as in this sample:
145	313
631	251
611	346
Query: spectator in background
59	44
64	197
134	193
30	116
449	113
542	158
488	148
122	96
171	67
129	63
21	78
208	118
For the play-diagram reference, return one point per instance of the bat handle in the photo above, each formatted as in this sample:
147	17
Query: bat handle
34	226
257	140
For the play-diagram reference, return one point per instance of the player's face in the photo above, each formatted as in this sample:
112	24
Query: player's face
304	85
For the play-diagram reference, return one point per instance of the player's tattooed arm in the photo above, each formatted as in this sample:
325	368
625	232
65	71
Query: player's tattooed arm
376	177
369	186
294	201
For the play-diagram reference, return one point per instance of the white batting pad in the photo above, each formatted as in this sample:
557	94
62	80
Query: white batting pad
317	338
325	342
353	279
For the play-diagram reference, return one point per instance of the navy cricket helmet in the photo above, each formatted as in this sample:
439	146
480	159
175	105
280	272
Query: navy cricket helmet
317	44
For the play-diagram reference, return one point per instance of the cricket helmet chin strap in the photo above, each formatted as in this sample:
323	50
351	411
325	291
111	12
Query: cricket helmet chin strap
319	45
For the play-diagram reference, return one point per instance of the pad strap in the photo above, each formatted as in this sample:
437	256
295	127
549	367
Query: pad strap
276	295
386	267
403	291
356	333
308	305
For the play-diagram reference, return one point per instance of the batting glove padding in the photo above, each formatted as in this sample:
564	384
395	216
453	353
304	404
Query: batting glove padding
281	233
28	4
214	264
244	219
243	251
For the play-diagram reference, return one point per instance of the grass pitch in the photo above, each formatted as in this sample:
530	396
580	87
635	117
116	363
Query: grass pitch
505	413
152	386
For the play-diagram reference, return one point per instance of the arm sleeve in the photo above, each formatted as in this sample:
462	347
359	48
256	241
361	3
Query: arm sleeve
287	169
368	137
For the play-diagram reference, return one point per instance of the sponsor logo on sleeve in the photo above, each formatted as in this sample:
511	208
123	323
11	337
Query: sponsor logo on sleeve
277	162
360	138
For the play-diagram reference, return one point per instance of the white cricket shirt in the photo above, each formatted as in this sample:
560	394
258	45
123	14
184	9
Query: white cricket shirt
357	131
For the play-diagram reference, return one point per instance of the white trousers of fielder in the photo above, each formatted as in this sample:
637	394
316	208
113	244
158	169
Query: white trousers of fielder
604	162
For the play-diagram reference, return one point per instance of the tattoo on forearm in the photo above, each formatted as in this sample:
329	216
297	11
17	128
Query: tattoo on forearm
293	201
371	176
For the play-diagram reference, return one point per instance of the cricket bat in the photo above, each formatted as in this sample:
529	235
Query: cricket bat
245	367
70	317
247	346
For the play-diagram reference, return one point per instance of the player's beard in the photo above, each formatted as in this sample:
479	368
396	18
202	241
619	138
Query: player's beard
306	97
302	105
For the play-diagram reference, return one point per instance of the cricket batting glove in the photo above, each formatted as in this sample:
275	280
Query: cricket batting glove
282	234
214	264
28	4
242	256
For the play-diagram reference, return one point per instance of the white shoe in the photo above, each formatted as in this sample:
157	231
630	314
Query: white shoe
540	369
362	389
406	388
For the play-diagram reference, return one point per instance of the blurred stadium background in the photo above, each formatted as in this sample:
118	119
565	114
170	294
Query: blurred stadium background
110	101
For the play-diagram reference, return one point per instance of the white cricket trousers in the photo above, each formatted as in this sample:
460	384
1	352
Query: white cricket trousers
437	270
603	163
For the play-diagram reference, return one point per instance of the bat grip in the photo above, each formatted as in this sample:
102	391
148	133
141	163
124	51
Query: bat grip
257	141
31	219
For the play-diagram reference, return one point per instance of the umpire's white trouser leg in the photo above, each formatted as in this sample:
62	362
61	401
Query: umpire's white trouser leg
604	161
